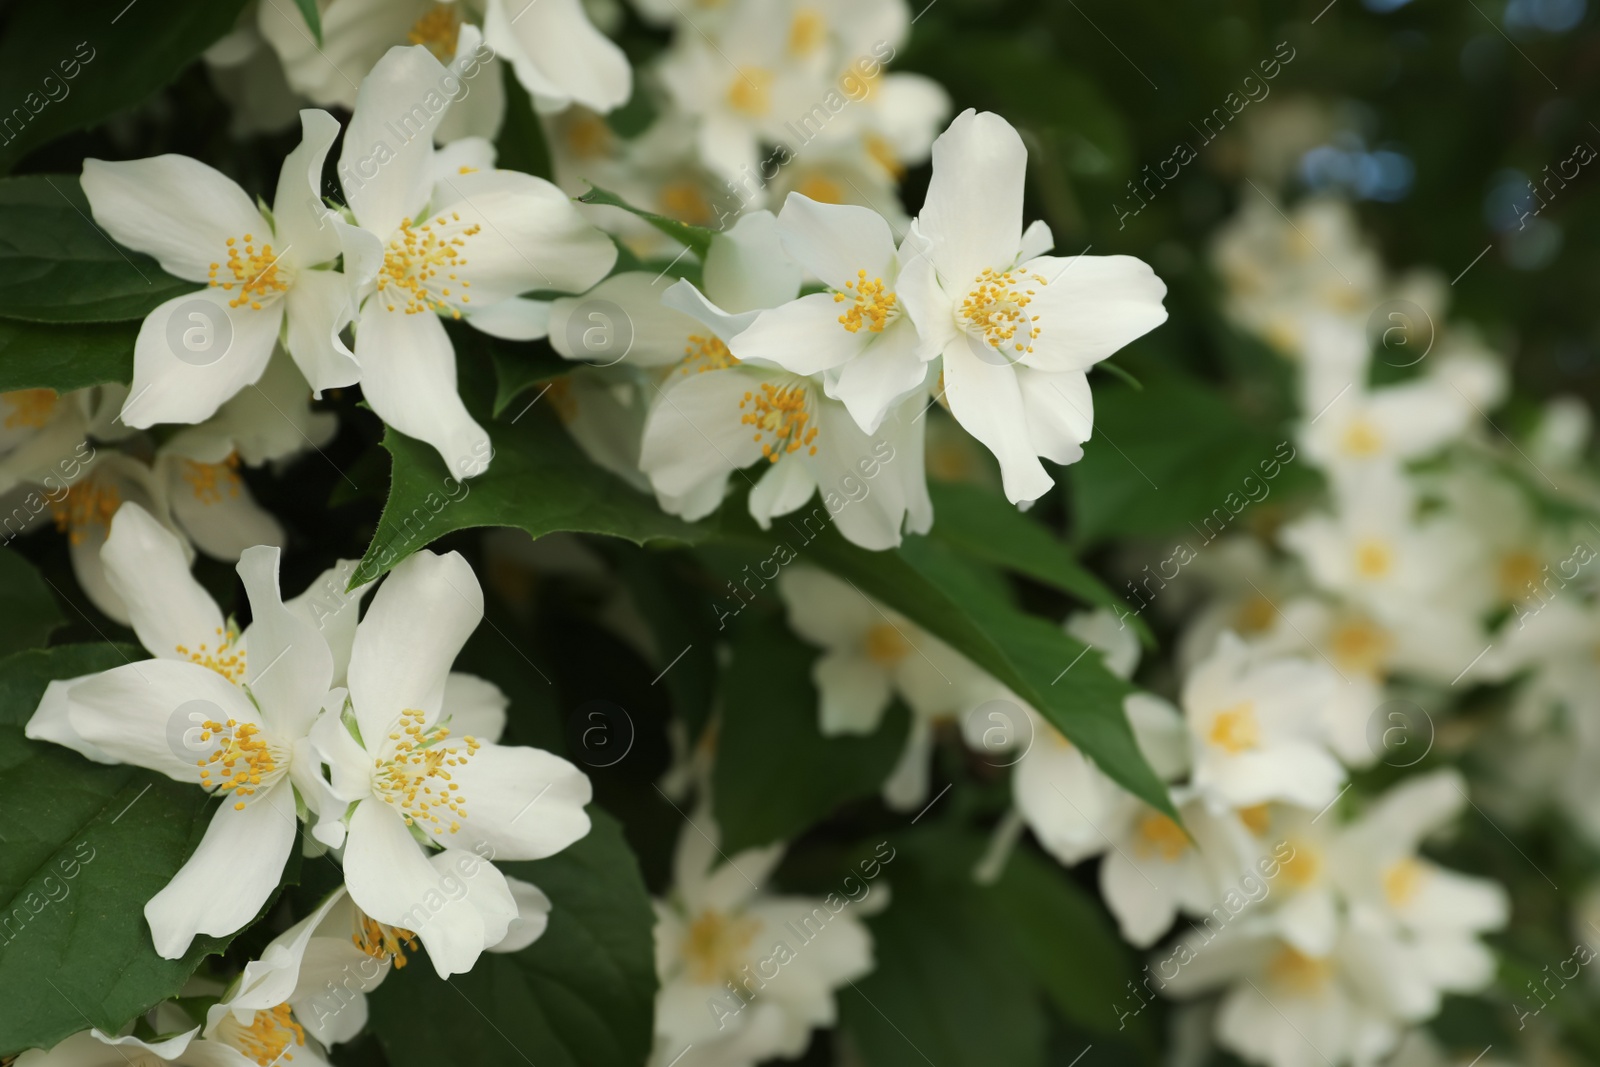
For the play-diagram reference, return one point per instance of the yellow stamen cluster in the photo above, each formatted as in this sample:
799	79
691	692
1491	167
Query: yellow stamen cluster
1518	570
408	777
885	645
414	259
211	482
685	201
227	659
706	353
268	1038
1361	645
1257	818
1302	866
1297	971
588	136
1235	729
381	941
31	408
439	30
751	92
873	307
1373	558
883	154
997	307
1401	881
715	946
1362	439
807	32
87	505
1159	835
821	188
781	412
254	273
242	756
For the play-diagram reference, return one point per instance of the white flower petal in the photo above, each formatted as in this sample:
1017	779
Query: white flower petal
973	211
648	333
523	803
558	54
987	401
299	215
887	370
234	870
783	487
803	336
746	268
474	706
333	612
216	510
174	208
290	666
516	319
1089	307
145	564
318	309
193	353
694	434
1060	412
387	179
835	242
853	693
408	375
533	916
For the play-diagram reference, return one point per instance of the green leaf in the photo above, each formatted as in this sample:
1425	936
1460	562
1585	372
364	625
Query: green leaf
521	144
539	481
949	987
1174	459
313	17
84	846
929	583
580	996
56	265
28	611
1067	942
697	238
64	358
986	527
776	774
69	72
519	367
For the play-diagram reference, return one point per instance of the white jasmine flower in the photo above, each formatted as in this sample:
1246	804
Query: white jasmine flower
409	777
44	437
465	247
246	717
266	276
92	1048
746	975
1018	329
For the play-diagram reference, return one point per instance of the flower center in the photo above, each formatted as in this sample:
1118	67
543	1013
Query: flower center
807	32
87	505
1235	729
269	1036
1255	615
29	407
1362	439
1257	818
781	412
210	482
414	261
588	136
1360	645
1298	972
227	659
715	946
1301	868
706	353
1401	881
1518	570
997	308
1157	834
438	30
883	153
416	776
381	941
751	92
254	273
686	202
874	304
242	758
1373	558
885	645
821	188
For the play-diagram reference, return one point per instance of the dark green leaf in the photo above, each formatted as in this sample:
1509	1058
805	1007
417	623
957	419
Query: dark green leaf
580	996
56	265
539	481
313	17
28	611
949	987
64	358
62	72
776	774
1179	465
84	847
519	367
521	145
697	238
985	526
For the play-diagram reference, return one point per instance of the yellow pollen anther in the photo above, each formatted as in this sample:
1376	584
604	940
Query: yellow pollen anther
1362	439
1360	645
269	1037
241	755
807	32
706	353
686	202
715	946
1373	558
255	273
997	307
31	408
1235	729
381	941
751	92
1301	868
438	30
1518	570
227	659
1159	835
873	307
1298	972
821	188
87	505
781	412
415	258
212	482
416	777
885	645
